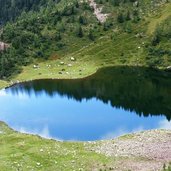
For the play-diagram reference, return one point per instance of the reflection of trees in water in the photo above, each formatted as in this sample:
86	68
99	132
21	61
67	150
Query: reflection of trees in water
145	91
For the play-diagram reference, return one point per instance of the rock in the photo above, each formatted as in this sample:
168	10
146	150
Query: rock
61	63
70	65
41	150
38	164
63	69
59	72
48	66
35	66
3	46
168	68
136	4
72	59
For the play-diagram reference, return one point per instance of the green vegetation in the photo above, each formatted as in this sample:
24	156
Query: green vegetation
10	10
46	30
159	51
44	34
49	33
165	168
29	152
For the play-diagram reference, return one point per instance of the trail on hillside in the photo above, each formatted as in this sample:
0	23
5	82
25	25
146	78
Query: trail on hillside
98	11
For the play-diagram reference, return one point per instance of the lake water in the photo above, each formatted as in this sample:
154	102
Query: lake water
110	103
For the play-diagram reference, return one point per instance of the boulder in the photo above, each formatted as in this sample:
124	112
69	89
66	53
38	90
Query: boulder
35	66
61	63
72	59
135	4
168	68
3	46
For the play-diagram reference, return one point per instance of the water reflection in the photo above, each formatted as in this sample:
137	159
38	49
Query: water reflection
104	105
141	90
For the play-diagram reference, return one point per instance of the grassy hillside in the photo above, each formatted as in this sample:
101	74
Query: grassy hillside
135	33
28	152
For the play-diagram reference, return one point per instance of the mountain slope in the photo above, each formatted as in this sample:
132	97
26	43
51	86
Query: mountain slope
52	29
11	9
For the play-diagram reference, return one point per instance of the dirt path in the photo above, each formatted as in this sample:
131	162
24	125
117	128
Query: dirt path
98	11
143	151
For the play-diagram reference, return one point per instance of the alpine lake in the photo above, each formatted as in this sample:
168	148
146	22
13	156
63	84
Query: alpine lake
112	102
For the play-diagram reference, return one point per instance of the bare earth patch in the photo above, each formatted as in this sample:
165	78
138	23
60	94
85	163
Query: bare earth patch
143	151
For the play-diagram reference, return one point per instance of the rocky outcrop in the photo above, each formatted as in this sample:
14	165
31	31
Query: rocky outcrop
142	151
3	46
98	12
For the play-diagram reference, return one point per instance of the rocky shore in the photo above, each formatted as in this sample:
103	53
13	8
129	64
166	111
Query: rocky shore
144	151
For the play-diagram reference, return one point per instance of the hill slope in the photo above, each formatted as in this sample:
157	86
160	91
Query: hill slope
133	33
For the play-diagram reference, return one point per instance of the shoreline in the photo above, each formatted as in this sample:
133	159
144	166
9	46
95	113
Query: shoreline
8	84
145	150
126	135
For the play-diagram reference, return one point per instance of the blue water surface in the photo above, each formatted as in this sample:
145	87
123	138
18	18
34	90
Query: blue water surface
64	117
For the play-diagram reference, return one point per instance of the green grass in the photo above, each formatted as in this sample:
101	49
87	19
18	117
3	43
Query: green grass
29	152
165	168
159	18
113	47
26	152
3	84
